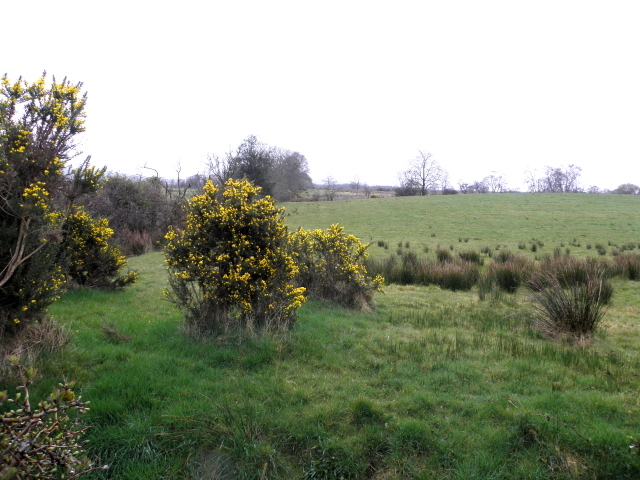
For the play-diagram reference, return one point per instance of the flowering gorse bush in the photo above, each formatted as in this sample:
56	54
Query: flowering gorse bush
93	262
230	268
38	124
332	266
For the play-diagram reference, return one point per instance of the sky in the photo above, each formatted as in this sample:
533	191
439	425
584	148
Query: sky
358	87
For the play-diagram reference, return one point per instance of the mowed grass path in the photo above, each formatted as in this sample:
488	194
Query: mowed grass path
431	384
483	220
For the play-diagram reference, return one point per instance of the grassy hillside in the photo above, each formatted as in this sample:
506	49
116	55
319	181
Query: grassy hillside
474	221
430	385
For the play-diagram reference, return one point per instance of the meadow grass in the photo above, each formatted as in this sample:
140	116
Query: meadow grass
430	384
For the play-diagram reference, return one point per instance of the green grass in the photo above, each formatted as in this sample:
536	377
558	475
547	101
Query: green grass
431	385
503	220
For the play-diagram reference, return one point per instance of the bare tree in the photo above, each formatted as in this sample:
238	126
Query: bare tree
367	190
355	184
555	180
495	183
463	187
423	175
330	186
219	170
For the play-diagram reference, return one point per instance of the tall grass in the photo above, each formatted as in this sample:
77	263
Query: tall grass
410	269
628	265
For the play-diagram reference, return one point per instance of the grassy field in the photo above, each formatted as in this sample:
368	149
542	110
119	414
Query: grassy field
475	221
430	385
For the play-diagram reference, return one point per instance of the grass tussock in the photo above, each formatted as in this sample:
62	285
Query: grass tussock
570	301
47	336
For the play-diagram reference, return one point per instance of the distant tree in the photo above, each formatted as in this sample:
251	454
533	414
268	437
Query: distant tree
290	174
254	161
280	173
330	187
495	183
423	175
627	189
220	169
367	190
594	189
475	187
355	184
555	180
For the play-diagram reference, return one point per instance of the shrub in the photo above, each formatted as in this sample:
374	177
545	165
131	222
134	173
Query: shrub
42	442
37	129
576	307
333	266
138	206
94	263
230	269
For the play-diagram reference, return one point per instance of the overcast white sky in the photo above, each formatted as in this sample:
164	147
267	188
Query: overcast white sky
358	87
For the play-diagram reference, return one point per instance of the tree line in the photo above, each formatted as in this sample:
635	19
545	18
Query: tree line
424	176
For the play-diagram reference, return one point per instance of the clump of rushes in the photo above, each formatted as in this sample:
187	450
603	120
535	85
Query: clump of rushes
628	265
231	269
573	305
507	272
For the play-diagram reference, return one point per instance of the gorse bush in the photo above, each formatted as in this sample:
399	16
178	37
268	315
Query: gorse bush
37	129
332	266
93	262
230	269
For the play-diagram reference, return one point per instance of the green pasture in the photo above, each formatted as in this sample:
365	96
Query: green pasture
474	221
429	385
